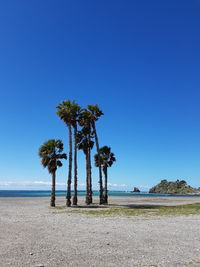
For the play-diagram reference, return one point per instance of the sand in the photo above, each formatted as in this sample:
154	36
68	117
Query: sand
32	234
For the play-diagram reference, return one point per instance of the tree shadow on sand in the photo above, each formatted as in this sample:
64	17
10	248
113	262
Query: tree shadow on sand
138	206
90	207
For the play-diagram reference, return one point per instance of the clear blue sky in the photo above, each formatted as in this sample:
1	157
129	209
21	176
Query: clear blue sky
139	60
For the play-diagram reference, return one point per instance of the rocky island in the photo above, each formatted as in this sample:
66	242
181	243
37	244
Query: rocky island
135	190
178	187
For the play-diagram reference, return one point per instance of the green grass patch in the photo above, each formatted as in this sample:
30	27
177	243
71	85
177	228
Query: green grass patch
58	207
116	211
194	263
180	209
134	210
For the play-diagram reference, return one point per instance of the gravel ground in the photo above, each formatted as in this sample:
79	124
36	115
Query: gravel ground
32	234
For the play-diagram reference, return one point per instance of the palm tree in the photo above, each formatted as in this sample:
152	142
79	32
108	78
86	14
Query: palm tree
86	144
76	111
107	158
50	154
94	114
65	112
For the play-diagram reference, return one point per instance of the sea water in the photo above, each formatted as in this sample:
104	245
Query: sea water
47	193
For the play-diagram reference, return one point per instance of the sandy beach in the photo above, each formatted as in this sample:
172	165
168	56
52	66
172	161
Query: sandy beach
33	234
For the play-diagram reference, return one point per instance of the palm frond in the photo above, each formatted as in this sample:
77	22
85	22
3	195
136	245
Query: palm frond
59	163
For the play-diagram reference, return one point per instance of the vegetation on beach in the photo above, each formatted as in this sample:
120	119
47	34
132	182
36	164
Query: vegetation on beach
107	158
85	143
68	112
94	114
82	135
135	210
81	124
51	154
177	187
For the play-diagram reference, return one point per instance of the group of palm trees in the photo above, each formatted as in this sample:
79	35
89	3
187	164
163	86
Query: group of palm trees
81	124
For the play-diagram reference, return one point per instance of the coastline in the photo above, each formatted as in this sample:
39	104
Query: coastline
171	200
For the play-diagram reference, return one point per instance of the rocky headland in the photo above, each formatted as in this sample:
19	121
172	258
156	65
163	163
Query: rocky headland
178	187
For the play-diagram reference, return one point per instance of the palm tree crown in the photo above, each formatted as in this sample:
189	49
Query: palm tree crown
50	154
64	111
83	142
68	111
107	158
95	112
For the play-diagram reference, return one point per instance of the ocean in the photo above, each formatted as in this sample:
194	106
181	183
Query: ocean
45	193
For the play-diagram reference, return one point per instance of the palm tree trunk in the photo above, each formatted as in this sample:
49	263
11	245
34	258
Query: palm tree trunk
90	175
75	200
106	185
101	200
87	198
53	189
68	202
